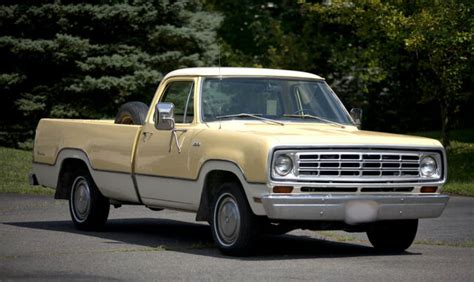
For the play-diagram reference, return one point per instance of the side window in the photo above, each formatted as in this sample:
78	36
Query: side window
180	93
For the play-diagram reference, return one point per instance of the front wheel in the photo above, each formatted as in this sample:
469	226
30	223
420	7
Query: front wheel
234	226
392	236
89	209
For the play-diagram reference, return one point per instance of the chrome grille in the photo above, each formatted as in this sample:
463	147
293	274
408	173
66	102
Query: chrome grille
357	165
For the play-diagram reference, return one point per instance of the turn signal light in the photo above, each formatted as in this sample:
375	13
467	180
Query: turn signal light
428	189
282	189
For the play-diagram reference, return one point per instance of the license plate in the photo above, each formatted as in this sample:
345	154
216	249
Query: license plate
361	211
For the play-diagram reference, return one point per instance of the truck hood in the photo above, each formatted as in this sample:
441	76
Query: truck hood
323	134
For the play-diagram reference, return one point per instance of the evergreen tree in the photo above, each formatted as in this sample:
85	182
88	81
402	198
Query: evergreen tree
63	59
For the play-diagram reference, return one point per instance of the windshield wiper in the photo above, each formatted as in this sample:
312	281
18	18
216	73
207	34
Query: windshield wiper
315	117
255	116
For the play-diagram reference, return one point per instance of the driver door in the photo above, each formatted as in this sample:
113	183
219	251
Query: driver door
162	169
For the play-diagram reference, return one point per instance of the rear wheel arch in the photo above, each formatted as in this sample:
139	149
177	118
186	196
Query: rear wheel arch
69	160
66	171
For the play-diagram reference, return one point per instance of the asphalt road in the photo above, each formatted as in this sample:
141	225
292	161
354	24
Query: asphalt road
39	242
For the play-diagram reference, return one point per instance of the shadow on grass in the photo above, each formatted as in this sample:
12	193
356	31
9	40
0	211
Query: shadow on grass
196	239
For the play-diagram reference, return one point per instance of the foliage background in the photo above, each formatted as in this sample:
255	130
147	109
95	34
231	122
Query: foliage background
408	64
66	59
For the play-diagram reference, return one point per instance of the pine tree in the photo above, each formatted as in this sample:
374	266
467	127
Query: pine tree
66	60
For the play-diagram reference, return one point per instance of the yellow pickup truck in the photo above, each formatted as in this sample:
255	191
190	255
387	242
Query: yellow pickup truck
250	151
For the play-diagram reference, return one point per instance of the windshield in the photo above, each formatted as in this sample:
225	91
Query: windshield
276	99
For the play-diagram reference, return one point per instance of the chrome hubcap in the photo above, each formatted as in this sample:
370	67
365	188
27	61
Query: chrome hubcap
81	199
228	219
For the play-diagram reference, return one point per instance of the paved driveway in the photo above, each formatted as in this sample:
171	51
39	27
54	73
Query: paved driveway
38	241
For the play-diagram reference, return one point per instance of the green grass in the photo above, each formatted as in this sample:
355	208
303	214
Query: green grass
15	166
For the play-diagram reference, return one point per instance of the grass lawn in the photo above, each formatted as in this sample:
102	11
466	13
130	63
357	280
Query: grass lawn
15	165
460	161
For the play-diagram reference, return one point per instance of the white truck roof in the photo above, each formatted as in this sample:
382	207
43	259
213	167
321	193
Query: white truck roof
226	71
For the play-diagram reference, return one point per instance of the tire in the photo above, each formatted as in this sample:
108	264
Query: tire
88	208
234	226
392	236
132	113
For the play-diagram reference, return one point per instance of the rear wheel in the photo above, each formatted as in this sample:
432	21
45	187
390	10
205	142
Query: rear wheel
392	236
132	113
234	226
89	209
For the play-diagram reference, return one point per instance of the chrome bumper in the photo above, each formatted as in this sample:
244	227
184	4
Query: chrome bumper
353	209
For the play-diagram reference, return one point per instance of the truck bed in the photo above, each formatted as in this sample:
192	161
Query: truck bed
107	147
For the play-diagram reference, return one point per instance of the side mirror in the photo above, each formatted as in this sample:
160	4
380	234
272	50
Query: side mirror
356	115
164	116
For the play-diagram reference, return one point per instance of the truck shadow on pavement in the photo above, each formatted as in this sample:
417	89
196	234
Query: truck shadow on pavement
144	234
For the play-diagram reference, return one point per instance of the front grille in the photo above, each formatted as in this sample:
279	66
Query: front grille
350	165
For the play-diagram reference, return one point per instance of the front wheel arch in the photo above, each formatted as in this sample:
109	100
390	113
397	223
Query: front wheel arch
212	182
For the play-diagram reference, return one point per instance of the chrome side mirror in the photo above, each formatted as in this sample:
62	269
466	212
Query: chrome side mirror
164	116
356	115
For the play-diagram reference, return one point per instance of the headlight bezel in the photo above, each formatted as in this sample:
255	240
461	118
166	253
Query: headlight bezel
437	162
276	173
279	159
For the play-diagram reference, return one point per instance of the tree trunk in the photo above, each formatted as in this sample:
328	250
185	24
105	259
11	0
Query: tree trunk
445	124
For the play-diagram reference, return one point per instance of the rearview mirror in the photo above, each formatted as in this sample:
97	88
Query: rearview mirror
356	115
164	116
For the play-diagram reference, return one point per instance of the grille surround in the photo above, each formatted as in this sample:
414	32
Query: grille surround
358	165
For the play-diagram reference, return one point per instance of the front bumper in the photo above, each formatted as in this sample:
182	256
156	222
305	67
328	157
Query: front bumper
353	209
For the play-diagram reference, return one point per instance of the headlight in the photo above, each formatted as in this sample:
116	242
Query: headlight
283	165
428	167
